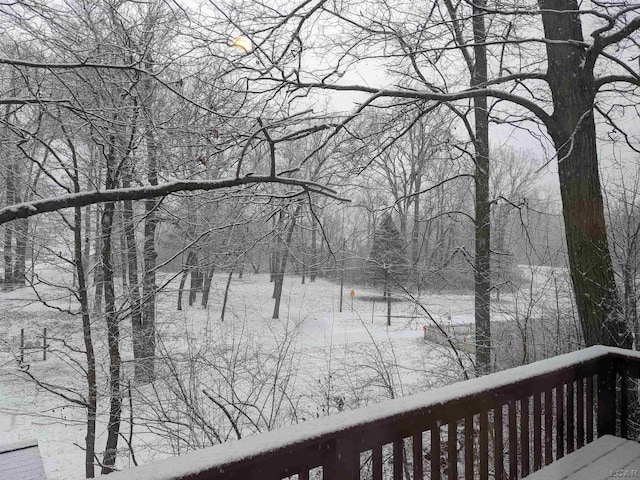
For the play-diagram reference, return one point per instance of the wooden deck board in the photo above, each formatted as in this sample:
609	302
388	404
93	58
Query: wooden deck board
606	458
632	470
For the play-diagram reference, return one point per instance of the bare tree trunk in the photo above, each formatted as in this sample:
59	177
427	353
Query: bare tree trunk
482	270
8	231
313	270
415	234
274	257
113	335
134	290
282	265
9	198
477	66
276	253
195	280
149	256
181	288
87	238
387	294
402	216
277	287
208	277
21	235
303	255
90	375
226	295
83	297
572	128
97	273
271	266
188	266
121	266
341	284
113	327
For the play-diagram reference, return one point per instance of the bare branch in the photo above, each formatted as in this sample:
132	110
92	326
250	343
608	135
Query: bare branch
434	96
27	101
36	207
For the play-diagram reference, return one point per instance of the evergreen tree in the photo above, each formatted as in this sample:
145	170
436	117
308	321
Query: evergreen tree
387	258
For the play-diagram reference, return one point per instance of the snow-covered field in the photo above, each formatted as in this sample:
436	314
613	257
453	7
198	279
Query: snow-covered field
259	372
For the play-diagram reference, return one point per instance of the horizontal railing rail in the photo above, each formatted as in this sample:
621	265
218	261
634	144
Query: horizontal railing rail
504	425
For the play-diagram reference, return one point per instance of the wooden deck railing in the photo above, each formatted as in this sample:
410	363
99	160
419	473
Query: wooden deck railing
504	425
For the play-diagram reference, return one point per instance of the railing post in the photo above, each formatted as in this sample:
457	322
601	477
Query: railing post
468	447
606	397
342	463
398	459
624	398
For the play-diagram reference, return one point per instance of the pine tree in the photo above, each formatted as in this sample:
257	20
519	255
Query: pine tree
387	260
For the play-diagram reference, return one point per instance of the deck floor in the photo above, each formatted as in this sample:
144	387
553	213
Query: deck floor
608	457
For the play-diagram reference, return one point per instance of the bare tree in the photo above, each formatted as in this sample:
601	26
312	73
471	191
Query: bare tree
417	46
512	182
624	233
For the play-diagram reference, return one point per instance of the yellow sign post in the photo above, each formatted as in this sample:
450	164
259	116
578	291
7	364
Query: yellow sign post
352	294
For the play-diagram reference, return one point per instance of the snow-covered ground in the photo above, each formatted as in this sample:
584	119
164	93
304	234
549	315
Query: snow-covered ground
312	361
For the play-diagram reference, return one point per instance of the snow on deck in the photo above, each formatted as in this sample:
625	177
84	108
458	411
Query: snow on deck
605	458
281	439
21	460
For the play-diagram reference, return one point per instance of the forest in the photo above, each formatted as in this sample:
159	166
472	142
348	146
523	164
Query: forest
219	218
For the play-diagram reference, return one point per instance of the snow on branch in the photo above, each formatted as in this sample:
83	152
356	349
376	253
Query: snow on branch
24	101
538	111
81	199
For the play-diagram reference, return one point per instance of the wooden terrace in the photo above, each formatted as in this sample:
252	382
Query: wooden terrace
507	425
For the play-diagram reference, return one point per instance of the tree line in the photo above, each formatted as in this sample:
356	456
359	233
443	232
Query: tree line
127	123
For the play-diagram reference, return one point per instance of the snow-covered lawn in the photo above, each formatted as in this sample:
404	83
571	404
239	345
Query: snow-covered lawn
312	361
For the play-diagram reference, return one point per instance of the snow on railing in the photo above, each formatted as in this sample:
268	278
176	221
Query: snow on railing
509	423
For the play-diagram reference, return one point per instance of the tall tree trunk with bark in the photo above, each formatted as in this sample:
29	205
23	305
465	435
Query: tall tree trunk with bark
572	128
415	232
275	253
206	288
482	267
303	256
183	280
90	373
195	281
149	258
97	273
83	297
9	173
21	236
113	328
281	266
274	257
134	289
477	65
278	266
188	266
226	295
8	229
8	252
313	270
